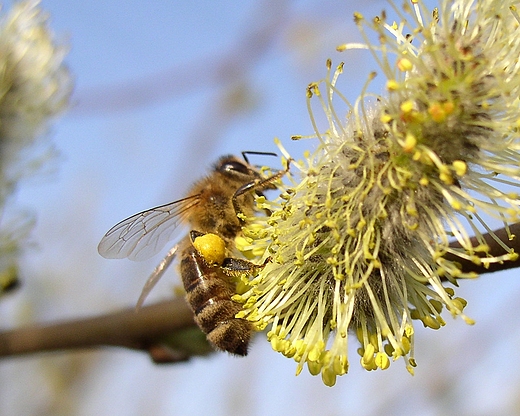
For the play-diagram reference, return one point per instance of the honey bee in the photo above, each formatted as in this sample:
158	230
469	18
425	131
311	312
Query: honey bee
213	210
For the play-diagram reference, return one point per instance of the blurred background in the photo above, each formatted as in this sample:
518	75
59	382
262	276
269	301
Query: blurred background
162	90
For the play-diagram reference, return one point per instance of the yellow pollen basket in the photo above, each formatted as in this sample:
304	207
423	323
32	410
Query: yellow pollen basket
211	247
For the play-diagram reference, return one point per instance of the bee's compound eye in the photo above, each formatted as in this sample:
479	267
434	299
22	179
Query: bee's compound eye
211	247
234	166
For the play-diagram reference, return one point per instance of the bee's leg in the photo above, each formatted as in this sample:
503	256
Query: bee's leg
257	185
194	234
156	275
236	267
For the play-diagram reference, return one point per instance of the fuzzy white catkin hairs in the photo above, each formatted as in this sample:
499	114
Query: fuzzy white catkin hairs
35	86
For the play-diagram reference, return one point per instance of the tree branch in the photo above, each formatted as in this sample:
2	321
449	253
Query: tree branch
495	250
150	330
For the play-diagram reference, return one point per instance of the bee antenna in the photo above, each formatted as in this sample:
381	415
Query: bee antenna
251	152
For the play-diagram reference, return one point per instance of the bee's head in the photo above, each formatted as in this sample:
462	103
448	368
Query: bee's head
233	167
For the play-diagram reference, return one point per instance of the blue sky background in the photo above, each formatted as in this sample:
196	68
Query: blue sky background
162	90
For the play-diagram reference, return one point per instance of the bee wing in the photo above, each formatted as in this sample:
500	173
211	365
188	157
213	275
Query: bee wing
144	234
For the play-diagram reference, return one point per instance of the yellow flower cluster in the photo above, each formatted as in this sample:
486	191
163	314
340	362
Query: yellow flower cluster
359	239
